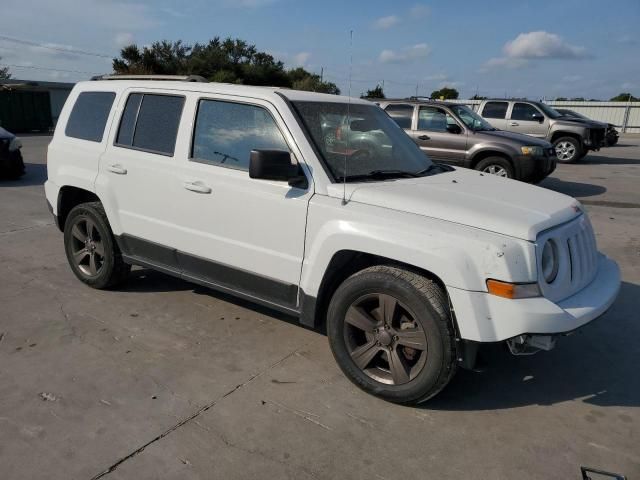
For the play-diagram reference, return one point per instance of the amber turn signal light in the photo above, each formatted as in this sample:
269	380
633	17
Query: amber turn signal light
512	290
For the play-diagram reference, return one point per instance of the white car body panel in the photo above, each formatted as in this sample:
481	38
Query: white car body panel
463	227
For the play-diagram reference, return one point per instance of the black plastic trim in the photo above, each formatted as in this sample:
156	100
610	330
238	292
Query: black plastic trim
241	283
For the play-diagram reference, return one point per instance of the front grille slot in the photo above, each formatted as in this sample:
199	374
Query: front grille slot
583	259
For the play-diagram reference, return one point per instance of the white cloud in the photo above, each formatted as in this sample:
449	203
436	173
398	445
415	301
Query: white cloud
385	23
407	54
535	46
542	45
419	11
301	59
122	39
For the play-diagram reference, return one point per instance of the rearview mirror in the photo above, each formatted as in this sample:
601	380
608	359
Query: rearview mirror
454	128
276	165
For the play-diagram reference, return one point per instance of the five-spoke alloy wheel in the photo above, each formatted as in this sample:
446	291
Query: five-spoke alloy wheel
91	249
392	334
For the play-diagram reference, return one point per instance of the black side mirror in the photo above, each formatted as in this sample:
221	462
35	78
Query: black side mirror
538	117
454	128
276	165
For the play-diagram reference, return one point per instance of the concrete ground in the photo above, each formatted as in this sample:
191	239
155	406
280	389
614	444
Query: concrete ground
164	379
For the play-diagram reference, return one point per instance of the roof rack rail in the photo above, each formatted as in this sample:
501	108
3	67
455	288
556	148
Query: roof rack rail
179	78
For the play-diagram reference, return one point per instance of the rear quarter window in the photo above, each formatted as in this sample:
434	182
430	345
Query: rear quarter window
150	123
89	115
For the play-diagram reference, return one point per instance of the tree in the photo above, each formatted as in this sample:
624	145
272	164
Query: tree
229	60
4	72
303	80
478	97
445	93
625	97
377	92
561	99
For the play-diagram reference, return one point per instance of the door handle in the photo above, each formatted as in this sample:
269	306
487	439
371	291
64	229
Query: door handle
117	168
514	124
197	187
424	137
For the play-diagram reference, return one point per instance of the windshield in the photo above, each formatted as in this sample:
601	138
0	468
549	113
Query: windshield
548	111
571	113
471	119
361	141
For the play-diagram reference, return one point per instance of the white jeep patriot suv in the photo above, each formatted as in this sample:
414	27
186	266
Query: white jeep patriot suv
409	265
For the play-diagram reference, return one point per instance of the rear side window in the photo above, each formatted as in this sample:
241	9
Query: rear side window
150	122
495	110
401	114
524	111
226	132
89	116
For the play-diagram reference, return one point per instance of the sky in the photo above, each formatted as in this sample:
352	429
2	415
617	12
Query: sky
535	49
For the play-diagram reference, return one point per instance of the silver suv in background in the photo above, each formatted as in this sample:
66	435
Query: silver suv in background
572	137
455	134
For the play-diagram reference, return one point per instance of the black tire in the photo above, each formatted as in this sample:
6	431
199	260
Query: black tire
415	294
568	150
496	166
99	264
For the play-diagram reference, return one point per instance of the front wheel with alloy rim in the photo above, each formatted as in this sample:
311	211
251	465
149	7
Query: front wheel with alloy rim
568	150
498	166
91	249
390	331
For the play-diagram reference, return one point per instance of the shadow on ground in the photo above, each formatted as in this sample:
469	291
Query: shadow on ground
598	364
35	174
595	159
574	189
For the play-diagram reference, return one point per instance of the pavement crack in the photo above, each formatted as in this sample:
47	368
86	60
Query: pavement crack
194	415
22	229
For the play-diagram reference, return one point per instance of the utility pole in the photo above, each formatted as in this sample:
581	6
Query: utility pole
321	74
416	89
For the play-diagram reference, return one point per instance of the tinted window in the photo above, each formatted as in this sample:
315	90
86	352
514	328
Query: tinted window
225	133
401	114
89	115
128	121
150	122
524	111
434	119
495	110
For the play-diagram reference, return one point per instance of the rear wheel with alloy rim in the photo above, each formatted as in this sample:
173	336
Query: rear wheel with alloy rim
568	150
498	166
391	334
91	249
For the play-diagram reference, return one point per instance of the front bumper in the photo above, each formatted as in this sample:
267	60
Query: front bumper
483	317
534	168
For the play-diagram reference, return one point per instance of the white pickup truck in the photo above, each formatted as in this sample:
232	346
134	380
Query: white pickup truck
409	265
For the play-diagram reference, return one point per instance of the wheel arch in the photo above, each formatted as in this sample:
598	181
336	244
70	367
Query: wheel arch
482	154
68	198
342	265
563	133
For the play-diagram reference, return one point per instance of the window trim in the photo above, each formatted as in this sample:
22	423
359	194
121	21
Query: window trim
506	112
104	135
194	123
525	119
413	118
446	111
135	126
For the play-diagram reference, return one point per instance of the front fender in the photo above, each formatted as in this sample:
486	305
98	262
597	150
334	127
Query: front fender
462	257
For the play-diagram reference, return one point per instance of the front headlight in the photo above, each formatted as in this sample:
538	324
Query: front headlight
15	144
549	261
532	150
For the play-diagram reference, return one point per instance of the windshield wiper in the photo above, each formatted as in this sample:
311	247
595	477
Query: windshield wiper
433	169
379	174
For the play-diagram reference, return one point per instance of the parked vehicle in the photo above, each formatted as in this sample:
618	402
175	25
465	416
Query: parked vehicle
11	163
456	135
409	265
572	137
611	136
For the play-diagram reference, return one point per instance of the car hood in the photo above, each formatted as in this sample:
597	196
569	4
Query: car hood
579	122
520	138
6	134
470	198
